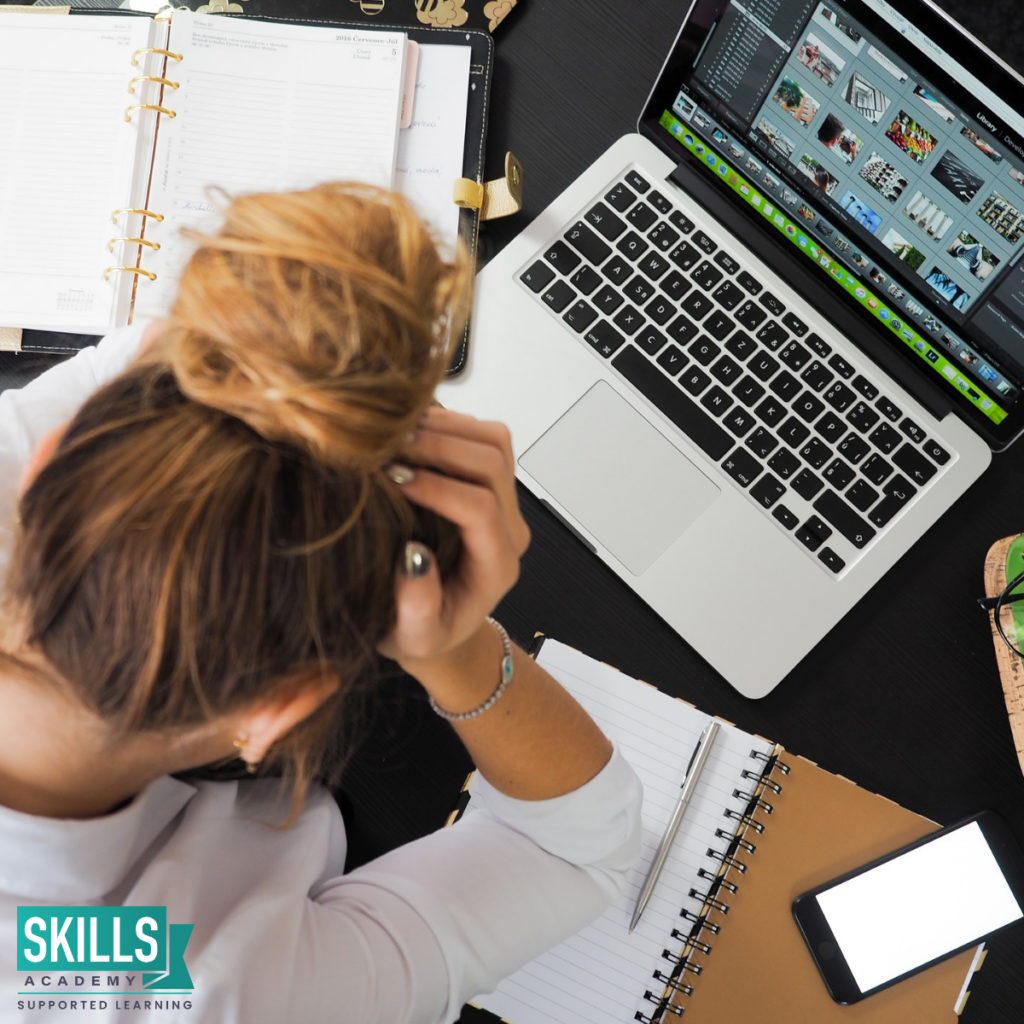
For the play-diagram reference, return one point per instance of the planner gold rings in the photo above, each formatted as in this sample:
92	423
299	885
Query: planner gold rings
138	271
152	78
148	106
154	49
132	241
135	209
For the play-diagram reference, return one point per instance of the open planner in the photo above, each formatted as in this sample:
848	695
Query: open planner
717	939
121	130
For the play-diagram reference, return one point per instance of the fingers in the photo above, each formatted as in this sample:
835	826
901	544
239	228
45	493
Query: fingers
419	602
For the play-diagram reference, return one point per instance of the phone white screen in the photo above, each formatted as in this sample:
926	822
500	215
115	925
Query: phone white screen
919	906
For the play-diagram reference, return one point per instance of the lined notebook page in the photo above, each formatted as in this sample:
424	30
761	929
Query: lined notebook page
267	107
68	155
600	975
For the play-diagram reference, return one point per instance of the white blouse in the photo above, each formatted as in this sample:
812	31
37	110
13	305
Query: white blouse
280	933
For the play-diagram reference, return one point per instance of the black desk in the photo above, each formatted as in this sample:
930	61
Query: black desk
903	695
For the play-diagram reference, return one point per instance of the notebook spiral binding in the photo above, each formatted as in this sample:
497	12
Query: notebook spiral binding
129	238
697	935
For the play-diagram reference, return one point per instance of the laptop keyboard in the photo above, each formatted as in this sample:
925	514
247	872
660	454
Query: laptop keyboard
811	437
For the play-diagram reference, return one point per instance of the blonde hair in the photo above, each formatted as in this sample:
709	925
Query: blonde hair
218	519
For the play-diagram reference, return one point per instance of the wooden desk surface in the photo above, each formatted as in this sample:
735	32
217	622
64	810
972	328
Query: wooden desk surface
903	695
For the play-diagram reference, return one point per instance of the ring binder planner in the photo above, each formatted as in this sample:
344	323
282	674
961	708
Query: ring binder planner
142	213
765	827
148	106
127	240
157	50
152	78
138	271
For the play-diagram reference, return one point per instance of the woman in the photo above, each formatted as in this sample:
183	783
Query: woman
210	553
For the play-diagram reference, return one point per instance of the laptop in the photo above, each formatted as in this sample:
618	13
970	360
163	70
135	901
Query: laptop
763	343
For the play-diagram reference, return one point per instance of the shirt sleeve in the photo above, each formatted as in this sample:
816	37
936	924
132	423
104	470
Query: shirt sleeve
28	413
445	918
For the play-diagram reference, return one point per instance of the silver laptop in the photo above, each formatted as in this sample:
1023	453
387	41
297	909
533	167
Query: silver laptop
760	346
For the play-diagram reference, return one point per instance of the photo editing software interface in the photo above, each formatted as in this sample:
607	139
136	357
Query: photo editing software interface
909	201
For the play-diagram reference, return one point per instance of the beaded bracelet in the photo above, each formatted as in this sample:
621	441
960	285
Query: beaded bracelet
505	673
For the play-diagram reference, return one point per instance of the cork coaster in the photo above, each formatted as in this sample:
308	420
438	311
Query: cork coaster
1011	666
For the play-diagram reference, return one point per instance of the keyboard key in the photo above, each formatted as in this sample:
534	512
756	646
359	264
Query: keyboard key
704	243
771	411
605	222
651	340
853	448
684	256
741	345
806	484
673	360
813	533
538	276
585	241
919	469
785	385
839	396
865	387
784	516
795	356
659	202
704	350
808	408
727	295
604	339
841	366
718	325
896	493
585	280
742	467
816	344
912	430
639	290
621	197
628	320
558	296
773	335
750	315
706	276
653	265
727	371
708	435
659	309
675	286
682	329
694	380
632	245
793	323
681	221
716	400
663	235
607	300
848	522
862	417
827	556
772	304
876	469
830	427
862	495
748	391
561	257
738	421
637	181
749	283
641	216
816	375
839	474
762	442
816	453
579	316
936	452
784	462
885	438
762	366
888	409
697	305
767	490
617	270
793	432
726	262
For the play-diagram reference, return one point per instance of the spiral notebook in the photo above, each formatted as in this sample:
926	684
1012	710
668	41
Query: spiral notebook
717	940
118	126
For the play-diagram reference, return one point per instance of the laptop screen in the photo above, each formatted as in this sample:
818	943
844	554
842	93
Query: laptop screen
867	143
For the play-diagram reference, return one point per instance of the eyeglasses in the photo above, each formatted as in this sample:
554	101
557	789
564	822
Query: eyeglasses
995	605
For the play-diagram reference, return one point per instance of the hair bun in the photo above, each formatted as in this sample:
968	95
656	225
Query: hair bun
320	318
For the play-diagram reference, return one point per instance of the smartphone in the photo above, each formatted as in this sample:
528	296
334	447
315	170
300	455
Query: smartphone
906	911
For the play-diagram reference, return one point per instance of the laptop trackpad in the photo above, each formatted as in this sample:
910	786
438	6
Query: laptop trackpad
622	480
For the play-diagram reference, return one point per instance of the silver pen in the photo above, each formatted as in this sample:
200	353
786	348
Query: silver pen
693	770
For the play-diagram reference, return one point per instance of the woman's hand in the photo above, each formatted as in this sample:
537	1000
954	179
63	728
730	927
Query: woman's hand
464	471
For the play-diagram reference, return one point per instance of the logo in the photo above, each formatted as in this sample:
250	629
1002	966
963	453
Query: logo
76	957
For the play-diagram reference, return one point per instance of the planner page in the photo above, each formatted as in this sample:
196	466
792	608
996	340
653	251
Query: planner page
67	163
600	975
266	107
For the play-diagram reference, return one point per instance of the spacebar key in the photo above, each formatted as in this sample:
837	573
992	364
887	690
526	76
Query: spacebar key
686	415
